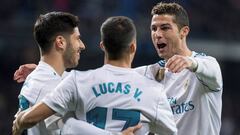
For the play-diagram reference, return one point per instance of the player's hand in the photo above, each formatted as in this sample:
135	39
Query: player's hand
16	130
23	71
131	130
177	63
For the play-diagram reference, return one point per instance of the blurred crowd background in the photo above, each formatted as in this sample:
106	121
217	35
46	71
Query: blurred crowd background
215	30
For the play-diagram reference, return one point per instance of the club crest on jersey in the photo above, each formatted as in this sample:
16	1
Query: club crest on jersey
179	108
117	87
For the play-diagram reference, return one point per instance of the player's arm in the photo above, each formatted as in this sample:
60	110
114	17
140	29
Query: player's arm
209	73
74	126
23	71
178	62
31	117
206	69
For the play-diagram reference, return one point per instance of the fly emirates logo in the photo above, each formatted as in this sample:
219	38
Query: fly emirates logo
179	108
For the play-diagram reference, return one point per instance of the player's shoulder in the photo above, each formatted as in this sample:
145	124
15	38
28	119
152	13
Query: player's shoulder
203	56
31	87
36	81
43	73
81	74
199	54
144	80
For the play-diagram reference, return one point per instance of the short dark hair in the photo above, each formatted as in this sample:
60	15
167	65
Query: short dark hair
116	34
179	13
48	26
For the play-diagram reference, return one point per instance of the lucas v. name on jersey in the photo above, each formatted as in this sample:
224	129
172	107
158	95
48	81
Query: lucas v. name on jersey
115	87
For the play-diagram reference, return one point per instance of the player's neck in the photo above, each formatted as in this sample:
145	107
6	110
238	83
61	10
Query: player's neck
118	63
184	50
55	61
124	62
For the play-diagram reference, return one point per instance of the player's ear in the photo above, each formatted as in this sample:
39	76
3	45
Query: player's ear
102	46
133	46
184	31
60	43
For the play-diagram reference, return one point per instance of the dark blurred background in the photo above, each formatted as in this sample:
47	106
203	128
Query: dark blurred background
215	30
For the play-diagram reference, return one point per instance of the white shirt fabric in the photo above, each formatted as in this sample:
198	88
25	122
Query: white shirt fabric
109	96
38	84
195	97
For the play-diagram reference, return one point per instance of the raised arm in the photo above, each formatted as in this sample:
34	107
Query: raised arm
209	72
206	69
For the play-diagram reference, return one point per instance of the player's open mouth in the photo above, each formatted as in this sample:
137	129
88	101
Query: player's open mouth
161	45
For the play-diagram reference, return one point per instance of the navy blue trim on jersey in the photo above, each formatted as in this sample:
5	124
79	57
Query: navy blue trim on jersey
23	102
199	54
23	105
207	85
162	63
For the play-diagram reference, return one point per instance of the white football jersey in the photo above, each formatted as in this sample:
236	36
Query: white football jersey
37	85
113	98
195	97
